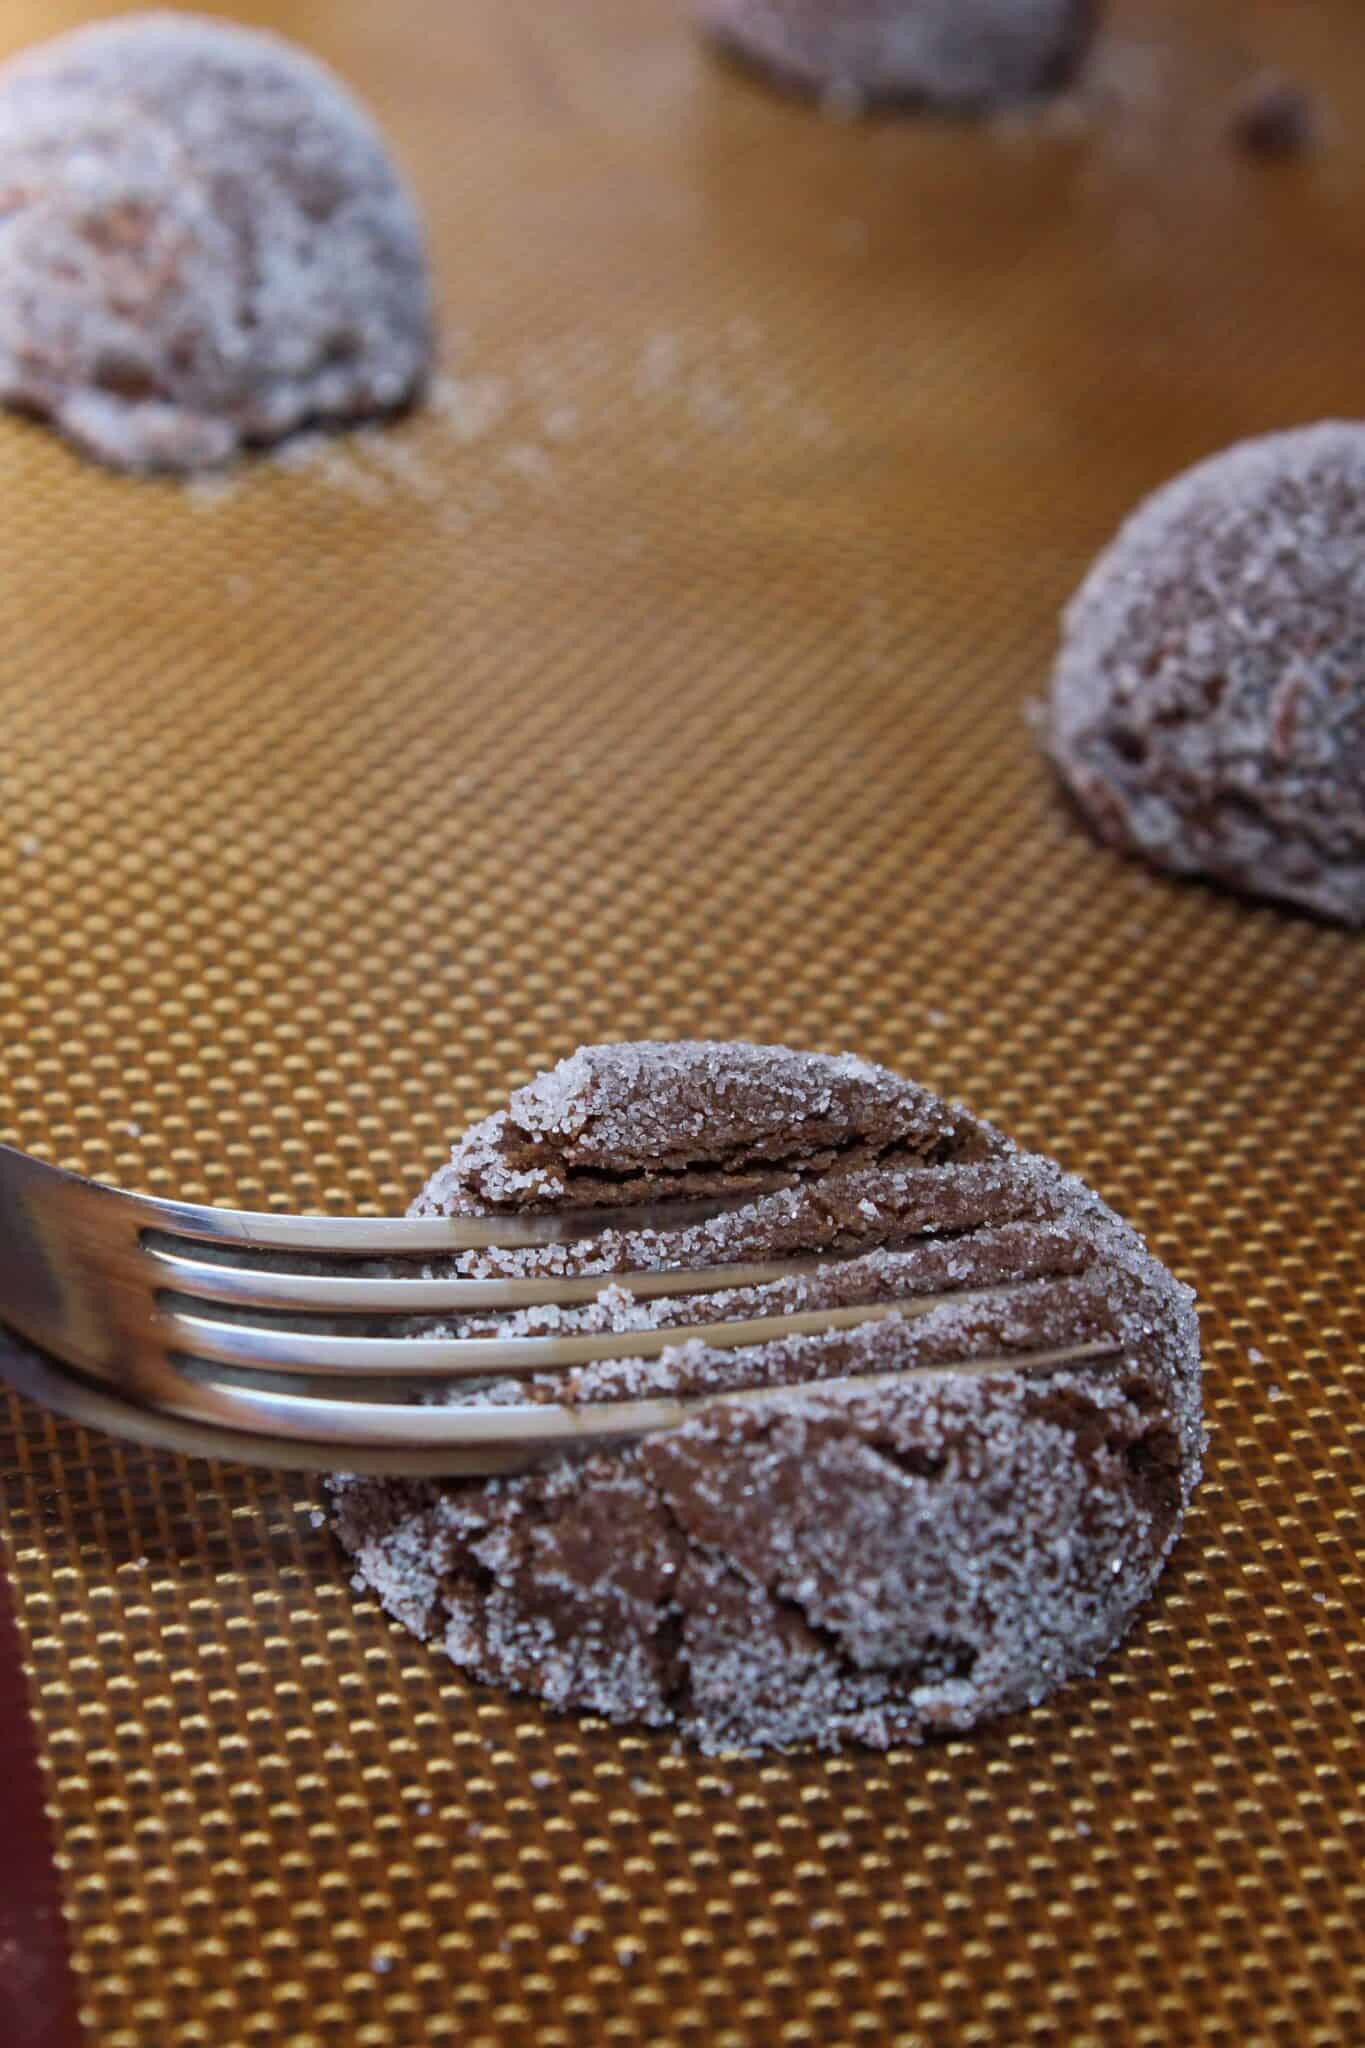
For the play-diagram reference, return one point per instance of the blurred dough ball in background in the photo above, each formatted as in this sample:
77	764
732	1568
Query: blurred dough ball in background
1208	709
203	244
953	54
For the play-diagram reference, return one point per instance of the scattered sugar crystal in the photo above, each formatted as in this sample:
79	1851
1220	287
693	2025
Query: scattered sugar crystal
712	407
529	460
209	492
561	423
660	364
347	473
410	468
470	407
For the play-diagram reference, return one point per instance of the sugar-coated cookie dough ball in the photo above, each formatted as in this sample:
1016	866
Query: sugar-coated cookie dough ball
203	244
909	1524
937	53
1208	708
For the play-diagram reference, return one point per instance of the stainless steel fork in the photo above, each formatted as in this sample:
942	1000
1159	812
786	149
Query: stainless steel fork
188	1327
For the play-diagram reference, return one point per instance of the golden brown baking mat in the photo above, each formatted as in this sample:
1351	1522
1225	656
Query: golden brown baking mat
667	676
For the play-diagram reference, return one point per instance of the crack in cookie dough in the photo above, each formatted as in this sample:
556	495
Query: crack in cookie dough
825	1562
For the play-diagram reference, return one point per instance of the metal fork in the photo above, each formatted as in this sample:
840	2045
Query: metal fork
184	1327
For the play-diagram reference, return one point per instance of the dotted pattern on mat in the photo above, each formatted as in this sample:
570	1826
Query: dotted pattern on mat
666	675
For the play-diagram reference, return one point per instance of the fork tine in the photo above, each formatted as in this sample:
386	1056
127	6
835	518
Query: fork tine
54	1385
263	1287
383	1237
538	1426
212	1421
109	1287
248	1345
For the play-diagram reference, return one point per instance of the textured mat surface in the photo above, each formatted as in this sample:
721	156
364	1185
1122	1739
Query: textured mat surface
666	676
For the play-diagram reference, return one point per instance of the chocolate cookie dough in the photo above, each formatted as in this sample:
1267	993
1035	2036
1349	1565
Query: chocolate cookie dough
954	54
203	244
1275	117
1208	708
907	1527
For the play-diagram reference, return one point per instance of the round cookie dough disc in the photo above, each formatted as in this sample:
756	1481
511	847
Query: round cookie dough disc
203	244
827	1561
952	54
1208	708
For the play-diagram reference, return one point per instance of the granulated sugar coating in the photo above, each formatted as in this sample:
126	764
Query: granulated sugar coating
203	244
944	53
827	1562
1208	708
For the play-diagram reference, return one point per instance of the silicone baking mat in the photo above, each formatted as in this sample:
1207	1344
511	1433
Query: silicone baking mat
666	675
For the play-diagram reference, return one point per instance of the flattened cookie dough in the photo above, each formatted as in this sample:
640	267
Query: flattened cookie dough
1208	708
952	54
825	1563
203	244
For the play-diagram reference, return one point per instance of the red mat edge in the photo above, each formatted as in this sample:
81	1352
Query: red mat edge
37	1989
